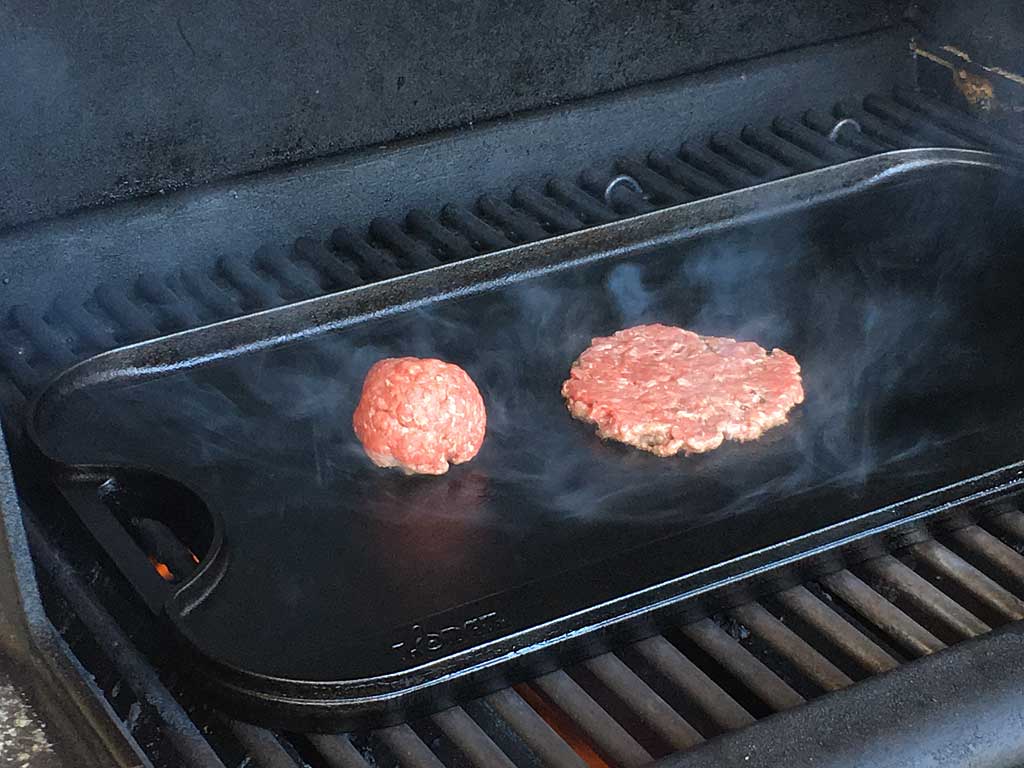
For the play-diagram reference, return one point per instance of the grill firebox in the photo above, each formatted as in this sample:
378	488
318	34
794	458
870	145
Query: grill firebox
629	707
667	693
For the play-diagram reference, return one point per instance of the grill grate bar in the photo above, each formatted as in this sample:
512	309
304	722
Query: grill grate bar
475	228
685	174
514	223
721	708
469	737
130	320
790	155
408	748
754	160
452	243
41	335
771	689
954	567
337	751
913	123
78	321
604	732
296	278
16	366
173	311
812	141
556	216
337	273
995	554
204	291
715	165
928	599
839	632
882	614
586	206
653	710
257	290
375	264
262	746
848	136
791	646
552	750
1012	523
415	253
657	186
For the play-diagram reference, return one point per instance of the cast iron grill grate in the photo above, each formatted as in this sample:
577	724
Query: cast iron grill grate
625	708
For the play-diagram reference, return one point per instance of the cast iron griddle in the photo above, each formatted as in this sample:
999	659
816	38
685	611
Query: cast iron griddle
332	589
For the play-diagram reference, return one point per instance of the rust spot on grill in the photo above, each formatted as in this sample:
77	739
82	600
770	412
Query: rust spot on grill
976	90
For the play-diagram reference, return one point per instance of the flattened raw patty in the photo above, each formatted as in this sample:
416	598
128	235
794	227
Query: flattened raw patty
419	414
665	389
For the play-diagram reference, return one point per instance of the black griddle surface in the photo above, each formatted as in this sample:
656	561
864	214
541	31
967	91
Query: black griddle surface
899	303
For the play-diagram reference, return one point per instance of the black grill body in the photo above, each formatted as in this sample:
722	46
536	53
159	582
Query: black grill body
849	86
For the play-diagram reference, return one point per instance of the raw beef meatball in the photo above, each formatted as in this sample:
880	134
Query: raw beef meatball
664	389
419	414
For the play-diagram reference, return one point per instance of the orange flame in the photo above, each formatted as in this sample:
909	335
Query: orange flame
162	569
166	573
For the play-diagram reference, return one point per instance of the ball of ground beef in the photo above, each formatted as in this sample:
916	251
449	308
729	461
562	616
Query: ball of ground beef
665	389
420	415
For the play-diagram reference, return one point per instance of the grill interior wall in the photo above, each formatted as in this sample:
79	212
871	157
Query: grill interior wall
111	106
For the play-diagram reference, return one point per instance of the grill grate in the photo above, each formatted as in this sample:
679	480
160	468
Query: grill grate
626	708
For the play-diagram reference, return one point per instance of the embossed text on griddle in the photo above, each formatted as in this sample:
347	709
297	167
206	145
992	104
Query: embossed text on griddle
423	641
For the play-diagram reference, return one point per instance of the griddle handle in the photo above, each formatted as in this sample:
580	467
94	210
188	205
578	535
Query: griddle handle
83	492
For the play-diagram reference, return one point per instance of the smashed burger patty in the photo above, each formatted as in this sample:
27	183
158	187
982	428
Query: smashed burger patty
665	389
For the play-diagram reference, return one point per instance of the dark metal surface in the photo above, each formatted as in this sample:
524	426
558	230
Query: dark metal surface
763	682
721	709
177	96
36	664
549	747
908	635
195	229
821	617
781	638
387	667
596	724
962	706
956	621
